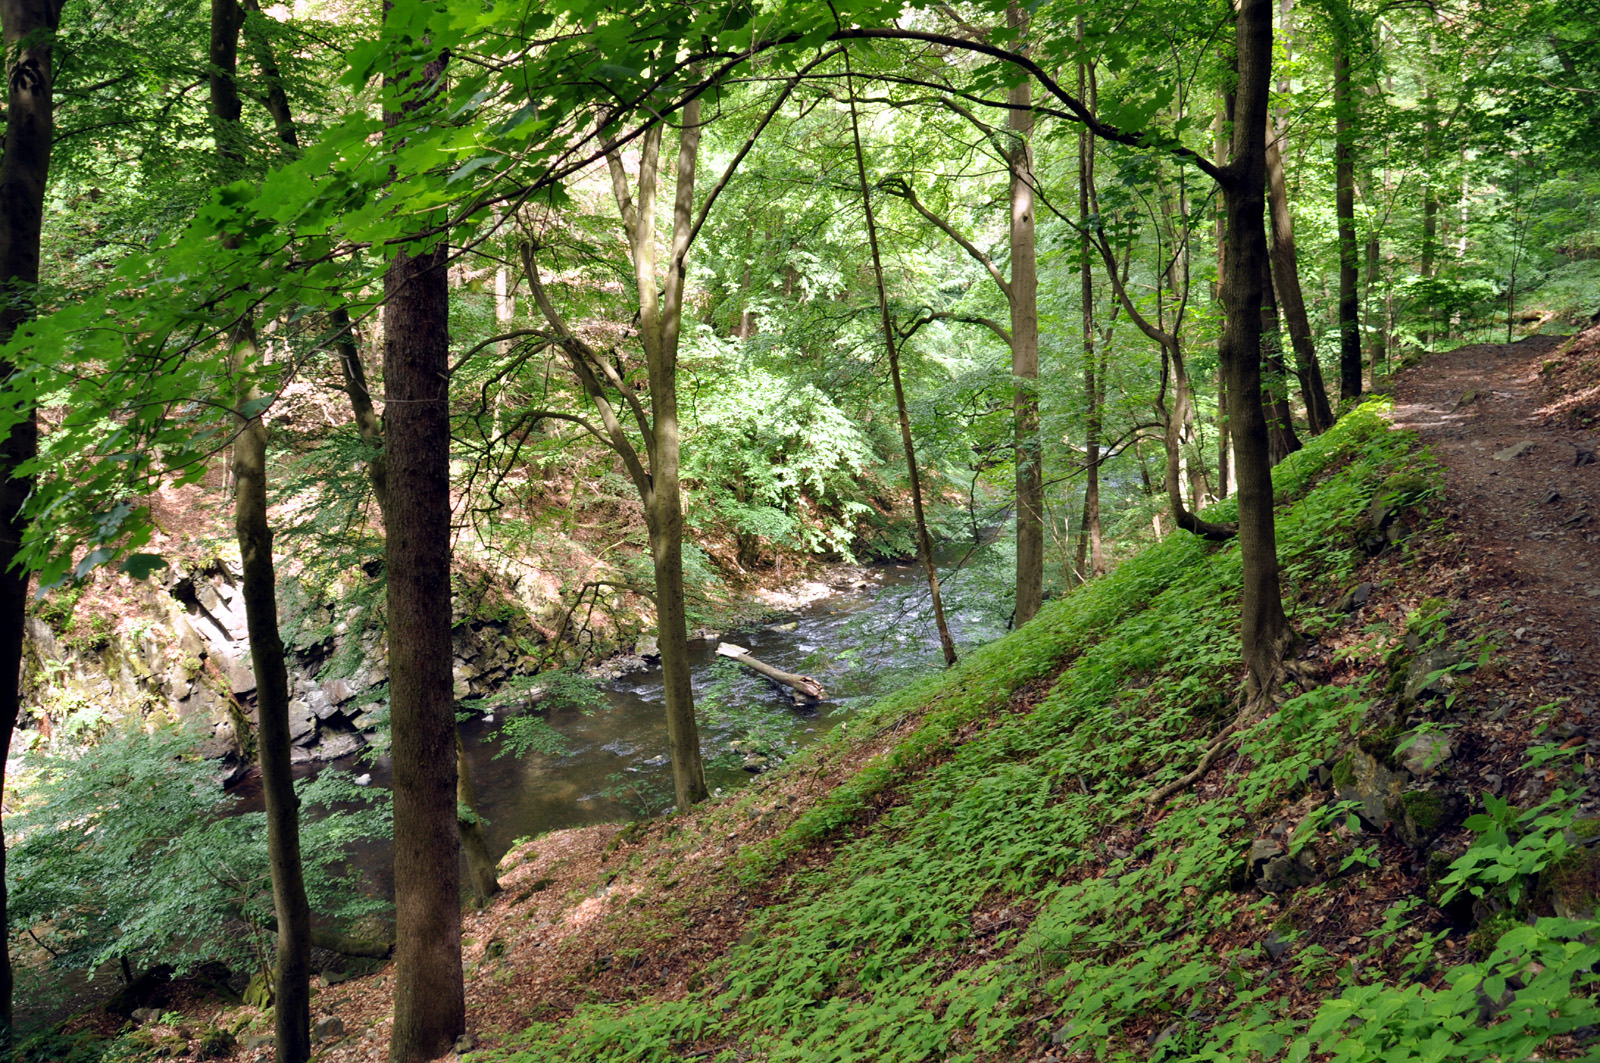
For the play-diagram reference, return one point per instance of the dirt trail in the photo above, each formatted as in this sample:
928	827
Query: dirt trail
1532	518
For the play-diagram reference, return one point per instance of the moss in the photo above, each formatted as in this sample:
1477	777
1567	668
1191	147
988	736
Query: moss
1571	886
1425	809
1487	934
216	1043
1586	828
1344	773
1380	744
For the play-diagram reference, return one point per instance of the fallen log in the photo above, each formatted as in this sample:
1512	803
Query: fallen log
808	690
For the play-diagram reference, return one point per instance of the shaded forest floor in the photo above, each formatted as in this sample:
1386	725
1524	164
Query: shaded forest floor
972	871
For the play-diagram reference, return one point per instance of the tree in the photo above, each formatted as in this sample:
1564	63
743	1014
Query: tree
429	996
28	29
291	974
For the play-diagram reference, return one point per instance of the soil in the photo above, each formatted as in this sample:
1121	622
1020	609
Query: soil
1529	521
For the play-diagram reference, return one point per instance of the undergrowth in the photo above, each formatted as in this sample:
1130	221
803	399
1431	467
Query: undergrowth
1013	897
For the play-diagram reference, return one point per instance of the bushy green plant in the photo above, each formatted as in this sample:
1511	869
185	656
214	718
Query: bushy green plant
129	849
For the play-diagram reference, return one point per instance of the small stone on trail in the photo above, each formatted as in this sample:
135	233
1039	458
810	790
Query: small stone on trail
1582	457
1467	399
1515	451
1576	519
1550	496
1274	946
1355	598
144	1016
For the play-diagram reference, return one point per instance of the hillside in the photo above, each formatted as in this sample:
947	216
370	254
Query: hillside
1395	864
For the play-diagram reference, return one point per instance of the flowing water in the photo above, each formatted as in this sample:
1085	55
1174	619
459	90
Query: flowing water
857	642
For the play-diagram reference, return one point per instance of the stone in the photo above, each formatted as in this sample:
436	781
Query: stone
300	755
1262	850
1424	752
327	1028
1550	496
1514	451
1274	946
1421	681
363	780
1583	456
145	1016
258	994
1284	873
464	1043
755	762
1355	598
647	646
319	704
302	724
241	677
339	691
1361	778
333	978
1422	815
341	745
260	1040
1064	1034
791	626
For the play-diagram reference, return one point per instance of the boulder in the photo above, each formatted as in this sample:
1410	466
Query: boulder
241	677
1360	777
339	691
1284	873
302	723
335	746
145	1016
320	705
1355	598
1397	494
1420	680
1422	815
1424	752
327	1028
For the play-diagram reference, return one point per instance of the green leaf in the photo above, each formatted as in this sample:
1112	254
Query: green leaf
140	566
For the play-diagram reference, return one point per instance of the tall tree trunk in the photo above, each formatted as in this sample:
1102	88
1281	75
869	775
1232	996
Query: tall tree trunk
291	975
1377	335
1224	449
1091	386
1281	438
664	510
28	27
924	542
1286	275
1025	348
1264	629
276	100
429	998
1345	203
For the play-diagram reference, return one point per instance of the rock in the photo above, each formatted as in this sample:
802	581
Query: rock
1422	815
258	994
1418	681
145	1016
320	705
327	1028
1583	456
260	1040
339	691
335	746
1467	399
755	762
791	626
1515	451
1424	752
1550	496
1064	1034
300	755
1262	850
1355	598
1397	494
1360	777
363	780
1274	946
241	677
1284	873
647	646
1576	519
464	1043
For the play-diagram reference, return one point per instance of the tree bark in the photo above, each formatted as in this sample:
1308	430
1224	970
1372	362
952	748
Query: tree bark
28	28
1345	204
1091	386
924	543
1264	629
1286	277
1025	348
1281	438
429	1000
480	862
291	973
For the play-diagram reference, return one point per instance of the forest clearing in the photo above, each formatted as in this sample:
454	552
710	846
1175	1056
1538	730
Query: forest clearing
969	532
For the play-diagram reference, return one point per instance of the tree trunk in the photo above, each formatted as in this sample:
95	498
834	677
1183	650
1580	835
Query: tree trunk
1377	336
291	972
1264	629
1091	386
480	863
1224	451
28	27
1281	438
1025	348
277	100
429	1000
1345	203
1286	275
924	542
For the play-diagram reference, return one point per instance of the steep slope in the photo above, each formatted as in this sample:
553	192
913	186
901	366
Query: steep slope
1395	864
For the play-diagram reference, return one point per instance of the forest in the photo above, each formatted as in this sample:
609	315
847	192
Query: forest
776	530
